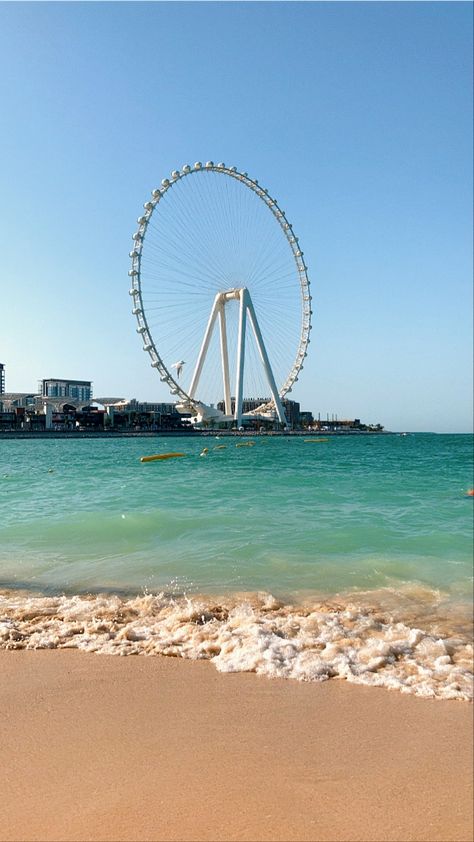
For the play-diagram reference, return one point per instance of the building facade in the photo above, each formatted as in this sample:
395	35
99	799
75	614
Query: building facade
77	390
292	409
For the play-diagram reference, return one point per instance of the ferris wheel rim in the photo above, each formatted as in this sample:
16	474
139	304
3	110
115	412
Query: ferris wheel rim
134	273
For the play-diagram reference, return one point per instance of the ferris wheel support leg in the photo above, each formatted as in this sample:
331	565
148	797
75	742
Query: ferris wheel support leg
225	359
240	357
205	345
264	357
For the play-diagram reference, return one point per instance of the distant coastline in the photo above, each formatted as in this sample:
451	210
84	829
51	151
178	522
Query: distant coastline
114	434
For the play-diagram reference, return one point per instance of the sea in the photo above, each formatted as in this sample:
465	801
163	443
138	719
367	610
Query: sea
303	557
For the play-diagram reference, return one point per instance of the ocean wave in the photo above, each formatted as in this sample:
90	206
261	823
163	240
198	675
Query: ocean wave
359	638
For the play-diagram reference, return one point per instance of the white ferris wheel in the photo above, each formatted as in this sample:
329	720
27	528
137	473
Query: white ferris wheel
221	294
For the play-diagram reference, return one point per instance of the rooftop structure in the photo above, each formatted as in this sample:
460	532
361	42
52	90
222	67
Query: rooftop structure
79	390
12	400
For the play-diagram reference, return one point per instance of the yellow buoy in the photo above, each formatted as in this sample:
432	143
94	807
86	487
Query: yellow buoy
159	456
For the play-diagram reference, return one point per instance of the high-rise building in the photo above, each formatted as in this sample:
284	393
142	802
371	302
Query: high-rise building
2	379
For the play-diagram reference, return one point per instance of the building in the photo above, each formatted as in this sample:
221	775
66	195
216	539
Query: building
19	411
2	379
292	409
346	425
14	400
77	390
142	415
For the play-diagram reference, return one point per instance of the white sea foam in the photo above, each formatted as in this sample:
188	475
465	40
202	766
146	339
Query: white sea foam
314	641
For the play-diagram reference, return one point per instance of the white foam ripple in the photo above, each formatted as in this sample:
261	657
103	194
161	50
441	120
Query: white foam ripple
249	633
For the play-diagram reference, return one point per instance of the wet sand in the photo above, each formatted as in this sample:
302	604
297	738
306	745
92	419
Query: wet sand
96	747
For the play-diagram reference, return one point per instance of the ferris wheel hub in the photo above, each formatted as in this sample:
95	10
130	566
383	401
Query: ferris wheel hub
232	294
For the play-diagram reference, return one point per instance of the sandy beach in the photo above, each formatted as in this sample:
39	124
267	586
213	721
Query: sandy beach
109	748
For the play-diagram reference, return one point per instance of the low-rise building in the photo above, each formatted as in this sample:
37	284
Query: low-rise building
292	410
142	415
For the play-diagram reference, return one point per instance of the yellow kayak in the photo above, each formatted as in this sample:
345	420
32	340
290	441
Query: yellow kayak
245	444
159	456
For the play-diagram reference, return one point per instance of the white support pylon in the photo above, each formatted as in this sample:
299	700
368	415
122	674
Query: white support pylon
218	309
264	357
239	388
205	345
225	359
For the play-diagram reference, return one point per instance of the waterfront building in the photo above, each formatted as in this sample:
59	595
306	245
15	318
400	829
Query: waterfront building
345	425
77	390
14	400
142	415
292	410
19	411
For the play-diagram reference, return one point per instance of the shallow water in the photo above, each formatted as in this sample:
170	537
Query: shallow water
350	529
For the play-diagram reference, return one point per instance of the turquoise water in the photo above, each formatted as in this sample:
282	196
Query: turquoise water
348	558
286	516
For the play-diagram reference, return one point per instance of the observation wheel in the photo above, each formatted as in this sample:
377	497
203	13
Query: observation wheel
221	294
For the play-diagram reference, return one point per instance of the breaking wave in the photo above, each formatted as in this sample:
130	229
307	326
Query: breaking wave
405	642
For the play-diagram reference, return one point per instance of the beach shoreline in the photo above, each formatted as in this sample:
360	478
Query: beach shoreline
153	748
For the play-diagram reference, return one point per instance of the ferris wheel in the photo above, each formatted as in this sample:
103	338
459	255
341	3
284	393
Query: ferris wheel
221	294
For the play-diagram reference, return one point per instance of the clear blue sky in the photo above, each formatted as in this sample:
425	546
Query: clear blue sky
356	116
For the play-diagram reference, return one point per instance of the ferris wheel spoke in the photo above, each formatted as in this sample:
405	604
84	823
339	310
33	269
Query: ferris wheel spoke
183	256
